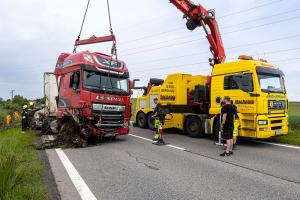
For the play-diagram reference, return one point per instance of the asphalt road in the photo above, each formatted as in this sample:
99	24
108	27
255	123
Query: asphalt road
133	168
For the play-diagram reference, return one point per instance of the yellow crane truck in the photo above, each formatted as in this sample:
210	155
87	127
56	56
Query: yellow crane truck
256	87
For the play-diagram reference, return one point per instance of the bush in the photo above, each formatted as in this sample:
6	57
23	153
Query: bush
11	107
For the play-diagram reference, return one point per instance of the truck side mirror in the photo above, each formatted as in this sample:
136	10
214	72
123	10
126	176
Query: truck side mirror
130	84
134	85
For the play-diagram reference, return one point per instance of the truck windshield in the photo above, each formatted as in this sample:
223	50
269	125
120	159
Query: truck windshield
271	83
104	83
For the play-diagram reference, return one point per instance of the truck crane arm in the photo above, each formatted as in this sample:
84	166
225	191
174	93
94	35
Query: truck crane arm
197	15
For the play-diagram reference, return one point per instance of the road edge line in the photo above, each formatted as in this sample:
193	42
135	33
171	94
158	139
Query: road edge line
278	144
80	185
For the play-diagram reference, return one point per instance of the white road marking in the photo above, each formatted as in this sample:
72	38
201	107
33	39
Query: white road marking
82	188
169	145
182	149
281	145
140	137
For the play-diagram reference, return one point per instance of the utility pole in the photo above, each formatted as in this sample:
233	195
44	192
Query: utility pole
12	95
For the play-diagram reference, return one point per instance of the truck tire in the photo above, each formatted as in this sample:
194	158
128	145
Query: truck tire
193	127
150	122
141	120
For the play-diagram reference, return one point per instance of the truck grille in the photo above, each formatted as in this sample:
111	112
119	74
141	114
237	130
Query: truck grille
276	105
110	118
276	121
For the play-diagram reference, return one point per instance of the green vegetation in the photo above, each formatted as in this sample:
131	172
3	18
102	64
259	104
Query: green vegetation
21	170
294	126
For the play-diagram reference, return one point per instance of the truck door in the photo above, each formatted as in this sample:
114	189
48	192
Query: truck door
75	88
239	87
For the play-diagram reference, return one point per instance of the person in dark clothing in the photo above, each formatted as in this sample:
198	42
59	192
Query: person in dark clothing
24	115
158	117
227	125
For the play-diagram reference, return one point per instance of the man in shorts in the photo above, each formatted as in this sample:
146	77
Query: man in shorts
227	125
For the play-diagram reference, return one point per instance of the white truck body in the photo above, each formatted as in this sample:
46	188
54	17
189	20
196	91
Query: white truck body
50	92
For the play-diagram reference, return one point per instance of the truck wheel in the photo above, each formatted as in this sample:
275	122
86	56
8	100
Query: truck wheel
193	127
150	122
141	120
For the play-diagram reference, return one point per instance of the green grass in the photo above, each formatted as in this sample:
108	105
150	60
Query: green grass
294	126
21	170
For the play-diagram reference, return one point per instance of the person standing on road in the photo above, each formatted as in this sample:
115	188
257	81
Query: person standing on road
227	125
24	115
158	117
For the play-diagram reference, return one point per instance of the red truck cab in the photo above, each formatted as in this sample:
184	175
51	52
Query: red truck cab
94	89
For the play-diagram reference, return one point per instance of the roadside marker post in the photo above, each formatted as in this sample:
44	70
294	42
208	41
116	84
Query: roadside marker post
219	143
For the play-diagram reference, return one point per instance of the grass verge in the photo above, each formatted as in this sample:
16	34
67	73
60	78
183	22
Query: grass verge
21	170
293	137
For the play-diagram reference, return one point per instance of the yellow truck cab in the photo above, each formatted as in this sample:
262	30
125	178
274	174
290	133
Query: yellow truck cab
255	87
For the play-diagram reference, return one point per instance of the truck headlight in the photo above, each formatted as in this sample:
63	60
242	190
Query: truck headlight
262	122
97	106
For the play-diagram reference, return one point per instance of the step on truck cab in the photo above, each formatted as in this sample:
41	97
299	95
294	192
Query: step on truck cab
256	87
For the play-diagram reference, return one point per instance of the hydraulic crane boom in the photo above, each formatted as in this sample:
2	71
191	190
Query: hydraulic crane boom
197	15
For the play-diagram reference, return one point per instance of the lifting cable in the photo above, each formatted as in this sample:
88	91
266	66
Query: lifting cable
114	47
83	20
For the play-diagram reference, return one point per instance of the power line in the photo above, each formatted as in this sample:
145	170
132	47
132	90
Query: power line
262	18
227	33
184	65
230	14
183	37
252	8
204	52
195	54
191	71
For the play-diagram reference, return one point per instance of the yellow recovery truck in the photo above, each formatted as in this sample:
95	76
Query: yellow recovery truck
256	87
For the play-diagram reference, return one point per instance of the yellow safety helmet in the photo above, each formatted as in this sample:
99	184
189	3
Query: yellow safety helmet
31	103
25	106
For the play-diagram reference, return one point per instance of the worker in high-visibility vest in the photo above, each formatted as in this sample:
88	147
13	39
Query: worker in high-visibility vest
24	115
236	125
158	117
8	120
16	115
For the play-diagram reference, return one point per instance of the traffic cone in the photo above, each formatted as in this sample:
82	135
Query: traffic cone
160	130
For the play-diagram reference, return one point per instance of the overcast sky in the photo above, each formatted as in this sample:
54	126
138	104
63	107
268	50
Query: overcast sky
152	37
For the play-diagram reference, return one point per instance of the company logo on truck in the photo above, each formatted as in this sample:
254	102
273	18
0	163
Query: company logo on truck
105	98
244	101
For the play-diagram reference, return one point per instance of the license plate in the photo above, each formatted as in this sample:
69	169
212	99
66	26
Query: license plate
278	132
